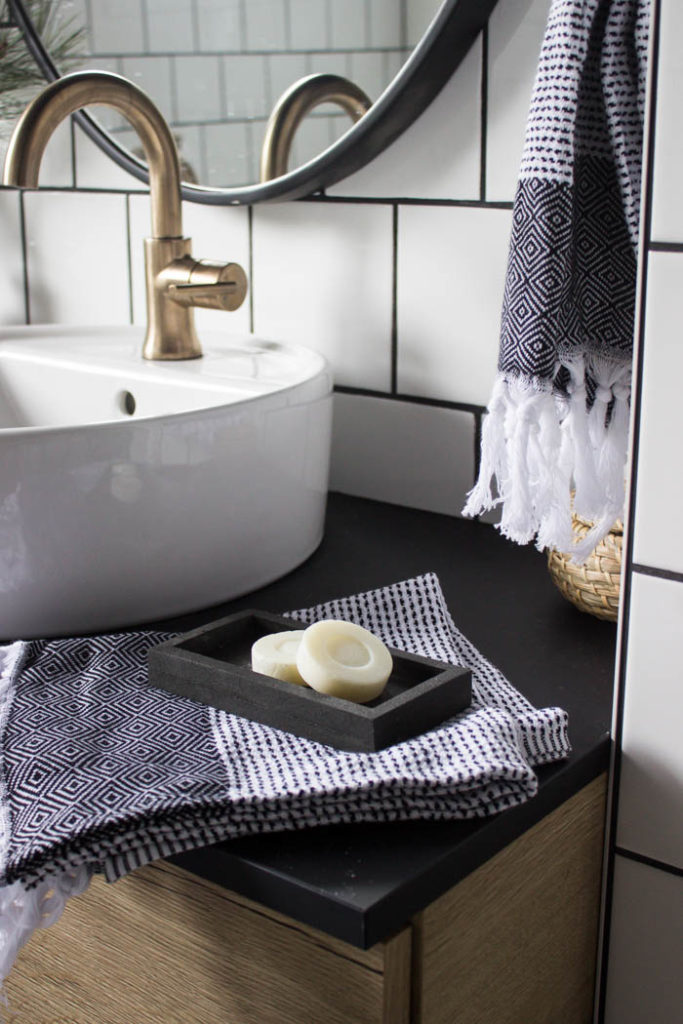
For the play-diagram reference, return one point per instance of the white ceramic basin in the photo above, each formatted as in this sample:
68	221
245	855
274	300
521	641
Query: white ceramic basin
132	491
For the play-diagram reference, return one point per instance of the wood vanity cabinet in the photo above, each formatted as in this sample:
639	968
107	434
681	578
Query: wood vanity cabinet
512	943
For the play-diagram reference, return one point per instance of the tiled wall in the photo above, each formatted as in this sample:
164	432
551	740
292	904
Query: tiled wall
217	67
643	979
396	275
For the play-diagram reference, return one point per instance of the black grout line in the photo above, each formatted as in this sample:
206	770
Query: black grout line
478	416
399	396
24	258
477	204
145	26
613	810
651	862
484	111
195	26
243	26
650	570
394	300
665	247
319	197
288	25
250	230
223	86
175	118
129	260
326	51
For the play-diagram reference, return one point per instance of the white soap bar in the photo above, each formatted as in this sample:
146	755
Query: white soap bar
275	655
344	660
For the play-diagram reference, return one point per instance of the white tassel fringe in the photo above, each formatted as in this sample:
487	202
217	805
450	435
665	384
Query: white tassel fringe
538	448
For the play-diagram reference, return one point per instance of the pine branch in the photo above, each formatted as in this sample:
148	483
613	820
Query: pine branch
62	38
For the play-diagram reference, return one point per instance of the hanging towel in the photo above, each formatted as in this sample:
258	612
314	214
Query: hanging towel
558	416
100	772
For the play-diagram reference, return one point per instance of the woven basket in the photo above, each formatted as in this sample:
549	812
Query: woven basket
594	586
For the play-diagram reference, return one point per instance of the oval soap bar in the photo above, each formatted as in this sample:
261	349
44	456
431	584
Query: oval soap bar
344	660
275	655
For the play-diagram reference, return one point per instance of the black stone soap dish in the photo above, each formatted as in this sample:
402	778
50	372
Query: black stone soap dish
212	665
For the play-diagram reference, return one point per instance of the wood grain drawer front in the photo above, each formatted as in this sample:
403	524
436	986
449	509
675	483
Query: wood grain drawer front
165	947
516	941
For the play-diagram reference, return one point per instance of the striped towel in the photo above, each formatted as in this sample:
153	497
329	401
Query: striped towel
559	410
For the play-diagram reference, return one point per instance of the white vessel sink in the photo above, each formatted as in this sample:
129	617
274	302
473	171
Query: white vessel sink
134	490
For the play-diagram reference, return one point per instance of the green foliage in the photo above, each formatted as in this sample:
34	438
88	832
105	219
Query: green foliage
62	37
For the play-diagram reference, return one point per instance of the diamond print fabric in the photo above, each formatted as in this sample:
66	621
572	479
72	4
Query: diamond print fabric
557	421
100	769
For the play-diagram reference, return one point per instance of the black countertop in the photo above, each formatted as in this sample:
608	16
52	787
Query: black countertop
361	883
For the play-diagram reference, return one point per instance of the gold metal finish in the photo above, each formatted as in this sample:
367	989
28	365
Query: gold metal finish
291	109
175	281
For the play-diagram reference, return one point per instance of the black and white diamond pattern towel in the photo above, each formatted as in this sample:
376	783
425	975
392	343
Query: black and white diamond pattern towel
559	410
100	770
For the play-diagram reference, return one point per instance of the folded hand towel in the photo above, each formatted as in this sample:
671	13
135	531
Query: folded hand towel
103	773
558	416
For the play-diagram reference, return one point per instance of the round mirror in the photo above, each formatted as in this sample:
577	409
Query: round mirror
216	69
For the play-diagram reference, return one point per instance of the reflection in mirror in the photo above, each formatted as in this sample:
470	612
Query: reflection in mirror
216	68
197	59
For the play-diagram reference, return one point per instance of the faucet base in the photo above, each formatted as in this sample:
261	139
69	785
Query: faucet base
171	332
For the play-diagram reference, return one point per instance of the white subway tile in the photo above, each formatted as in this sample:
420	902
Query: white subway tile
199	95
188	140
117	28
313	135
246	88
153	76
516	30
330	63
217	233
651	782
368	72
451	276
402	452
393	62
644	978
12	305
284	70
230	155
385	23
419	15
308	24
667	210
349	26
265	22
95	169
220	20
438	156
658	540
323	278
170	26
77	257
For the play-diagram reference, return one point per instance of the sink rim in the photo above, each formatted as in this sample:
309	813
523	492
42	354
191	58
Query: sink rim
13	338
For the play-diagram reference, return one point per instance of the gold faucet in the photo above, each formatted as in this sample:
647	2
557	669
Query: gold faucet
291	109
176	282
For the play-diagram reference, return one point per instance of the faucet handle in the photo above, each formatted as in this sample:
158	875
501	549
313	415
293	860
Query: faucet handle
206	283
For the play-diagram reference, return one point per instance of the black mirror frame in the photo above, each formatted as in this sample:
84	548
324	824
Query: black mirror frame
436	57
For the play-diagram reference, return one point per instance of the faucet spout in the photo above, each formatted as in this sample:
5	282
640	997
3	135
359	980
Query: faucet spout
176	282
291	109
67	95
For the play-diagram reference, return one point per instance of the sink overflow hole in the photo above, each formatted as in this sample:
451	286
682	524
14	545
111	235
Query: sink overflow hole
127	402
